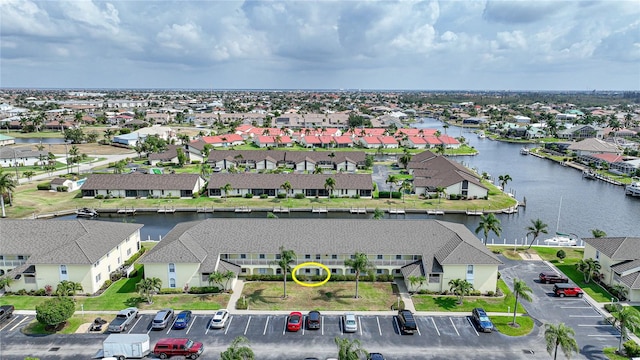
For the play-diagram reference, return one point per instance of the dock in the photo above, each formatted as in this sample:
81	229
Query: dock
358	210
474	212
126	211
166	211
397	212
319	210
435	212
280	210
242	209
204	210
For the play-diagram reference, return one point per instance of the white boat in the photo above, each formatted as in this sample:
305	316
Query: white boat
524	151
481	135
562	240
633	189
86	213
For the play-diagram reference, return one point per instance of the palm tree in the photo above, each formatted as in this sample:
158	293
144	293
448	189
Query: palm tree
404	160
7	185
317	170
68	288
226	188
440	191
228	276
216	277
378	214
504	179
5	282
28	174
391	180
147	286
627	319
238	350
350	349
360	263
205	169
406	186
620	291
560	335
489	223
330	183
520	290
287	257
286	187
537	227
460	288
416	280
118	167
583	267
593	268
597	233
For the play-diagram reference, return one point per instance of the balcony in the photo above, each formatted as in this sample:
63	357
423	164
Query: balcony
12	263
327	262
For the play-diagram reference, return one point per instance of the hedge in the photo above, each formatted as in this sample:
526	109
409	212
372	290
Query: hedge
385	194
44	186
318	278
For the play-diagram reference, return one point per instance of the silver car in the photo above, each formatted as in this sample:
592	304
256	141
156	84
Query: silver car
350	323
219	319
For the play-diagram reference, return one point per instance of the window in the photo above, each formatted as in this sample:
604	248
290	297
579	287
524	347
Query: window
63	269
353	256
334	271
307	271
398	257
261	256
278	256
172	282
334	257
317	256
353	271
109	268
129	251
243	256
20	257
172	267
434	278
380	257
379	271
244	270
262	271
597	255
307	256
279	271
119	260
470	273
98	277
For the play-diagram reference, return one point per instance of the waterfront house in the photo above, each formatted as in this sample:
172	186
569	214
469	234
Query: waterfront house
37	253
299	161
594	146
581	132
63	184
311	185
7	140
439	250
619	258
137	185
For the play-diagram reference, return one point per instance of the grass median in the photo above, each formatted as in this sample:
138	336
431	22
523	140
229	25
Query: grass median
263	295
448	303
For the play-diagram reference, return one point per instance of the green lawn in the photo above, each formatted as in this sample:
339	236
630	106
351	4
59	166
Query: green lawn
449	303
267	295
594	290
610	353
502	324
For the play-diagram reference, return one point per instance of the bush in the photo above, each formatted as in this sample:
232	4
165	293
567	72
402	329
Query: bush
242	304
195	162
248	195
169	291
631	348
204	290
385	194
397	307
299	196
106	284
610	308
55	311
264	196
475	293
99	197
356	196
282	196
135	257
491	293
62	188
561	254
44	186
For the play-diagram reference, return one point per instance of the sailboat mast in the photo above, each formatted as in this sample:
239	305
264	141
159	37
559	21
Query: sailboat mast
559	210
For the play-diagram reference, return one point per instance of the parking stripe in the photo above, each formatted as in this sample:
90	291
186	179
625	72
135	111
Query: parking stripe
227	326
379	328
575	307
134	325
192	322
9	323
303	322
322	325
605	335
18	324
435	326
265	326
360	324
285	325
586	316
472	326
594	325
246	327
454	326
396	326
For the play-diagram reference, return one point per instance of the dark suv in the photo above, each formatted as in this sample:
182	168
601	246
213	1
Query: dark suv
563	290
552	278
406	322
313	320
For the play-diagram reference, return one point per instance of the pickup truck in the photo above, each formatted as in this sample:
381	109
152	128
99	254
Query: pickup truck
123	319
6	311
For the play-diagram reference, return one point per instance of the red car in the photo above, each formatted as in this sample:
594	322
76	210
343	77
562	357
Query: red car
294	321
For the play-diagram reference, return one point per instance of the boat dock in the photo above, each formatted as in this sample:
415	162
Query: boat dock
397	212
242	209
319	210
166	211
474	212
280	210
358	210
126	211
435	212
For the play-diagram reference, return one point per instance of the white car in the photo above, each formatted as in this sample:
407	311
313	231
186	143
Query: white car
350	323
219	319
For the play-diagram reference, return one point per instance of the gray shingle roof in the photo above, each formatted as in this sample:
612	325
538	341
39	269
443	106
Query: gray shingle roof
451	243
141	182
167	155
297	181
617	248
62	241
290	156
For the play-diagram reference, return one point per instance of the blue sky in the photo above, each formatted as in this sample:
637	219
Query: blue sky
449	45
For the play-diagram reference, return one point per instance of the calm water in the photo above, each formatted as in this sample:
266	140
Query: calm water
552	193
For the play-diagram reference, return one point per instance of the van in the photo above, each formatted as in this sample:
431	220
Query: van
162	319
178	346
406	322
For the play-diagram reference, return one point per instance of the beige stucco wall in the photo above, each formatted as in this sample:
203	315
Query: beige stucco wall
485	277
186	273
605	262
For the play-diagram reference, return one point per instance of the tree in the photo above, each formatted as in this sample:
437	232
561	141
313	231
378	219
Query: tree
147	286
561	254
226	188
205	169
489	223
228	276
68	288
238	350
537	227
619	290
560	335
287	257
378	214
28	174
55	311
406	186
416	280
520	290
5	282
391	180
216	277
118	167
350	349
404	160
593	268
182	157
286	187
7	185
504	179
330	183
74	135
360	263
597	233
440	191
460	288
627	319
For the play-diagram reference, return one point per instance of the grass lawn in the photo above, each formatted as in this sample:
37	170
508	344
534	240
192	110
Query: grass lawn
610	353
501	323
266	295
594	290
449	303
73	323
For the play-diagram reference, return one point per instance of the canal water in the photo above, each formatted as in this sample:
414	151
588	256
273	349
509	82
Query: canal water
557	195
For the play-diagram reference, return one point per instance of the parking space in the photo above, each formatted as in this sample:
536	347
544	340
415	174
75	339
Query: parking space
15	323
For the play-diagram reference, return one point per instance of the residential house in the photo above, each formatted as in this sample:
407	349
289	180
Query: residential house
225	140
439	250
264	141
619	259
594	146
64	184
7	140
311	185
299	161
13	156
137	185
37	253
170	155
581	132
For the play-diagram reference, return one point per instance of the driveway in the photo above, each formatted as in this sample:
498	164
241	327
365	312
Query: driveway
593	332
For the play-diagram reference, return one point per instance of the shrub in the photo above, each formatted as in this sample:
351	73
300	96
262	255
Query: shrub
135	257
385	194
561	254
475	293
491	293
195	162
168	291
242	304
264	196
453	197
44	186
62	188
204	290
195	195
282	196
106	284
55	311
497	251
398	305
631	348
356	196
99	197
299	196
248	195
610	308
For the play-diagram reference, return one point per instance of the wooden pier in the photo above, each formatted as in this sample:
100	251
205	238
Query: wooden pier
280	210
474	212
397	212
166	211
358	210
435	212
319	210
126	211
242	209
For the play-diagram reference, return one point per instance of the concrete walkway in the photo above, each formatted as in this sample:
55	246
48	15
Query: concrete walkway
405	296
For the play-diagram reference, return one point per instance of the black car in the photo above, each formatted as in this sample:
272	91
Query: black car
375	356
406	322
313	320
482	320
552	278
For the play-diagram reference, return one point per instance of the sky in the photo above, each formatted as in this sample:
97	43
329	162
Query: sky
319	44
